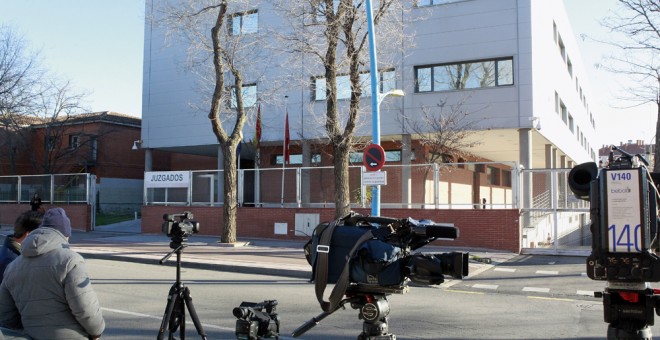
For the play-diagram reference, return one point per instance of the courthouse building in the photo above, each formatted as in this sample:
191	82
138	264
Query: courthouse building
525	89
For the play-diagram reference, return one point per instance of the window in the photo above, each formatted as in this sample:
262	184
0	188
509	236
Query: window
93	148
50	142
564	112
387	82
298	159
506	178
464	75
570	123
244	23
249	96
74	141
422	3
390	156
493	175
562	48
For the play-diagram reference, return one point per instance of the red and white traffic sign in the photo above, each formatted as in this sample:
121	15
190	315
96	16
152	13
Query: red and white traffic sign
373	157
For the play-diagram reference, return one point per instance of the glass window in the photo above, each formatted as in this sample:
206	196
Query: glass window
505	72
249	96
74	141
387	82
465	75
298	159
319	88
424	77
244	23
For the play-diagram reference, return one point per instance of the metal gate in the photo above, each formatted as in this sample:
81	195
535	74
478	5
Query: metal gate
552	220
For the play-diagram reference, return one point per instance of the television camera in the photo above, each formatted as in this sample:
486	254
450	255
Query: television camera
254	323
178	298
624	228
179	230
371	257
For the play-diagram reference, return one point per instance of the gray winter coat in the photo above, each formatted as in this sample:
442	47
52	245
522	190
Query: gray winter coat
47	292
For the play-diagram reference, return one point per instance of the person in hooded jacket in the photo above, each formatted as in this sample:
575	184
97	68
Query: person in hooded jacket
46	291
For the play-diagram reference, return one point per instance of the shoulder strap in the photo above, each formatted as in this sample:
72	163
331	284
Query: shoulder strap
321	276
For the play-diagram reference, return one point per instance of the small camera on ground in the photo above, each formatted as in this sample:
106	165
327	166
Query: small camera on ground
257	320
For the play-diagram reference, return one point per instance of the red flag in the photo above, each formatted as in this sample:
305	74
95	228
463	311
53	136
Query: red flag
257	128
286	139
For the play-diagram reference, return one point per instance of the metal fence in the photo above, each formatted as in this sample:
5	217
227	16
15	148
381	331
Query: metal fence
486	185
553	220
52	189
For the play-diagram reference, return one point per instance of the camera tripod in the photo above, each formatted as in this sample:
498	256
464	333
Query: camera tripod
629	309
177	301
373	310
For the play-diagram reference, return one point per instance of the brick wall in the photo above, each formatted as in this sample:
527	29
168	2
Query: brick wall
79	214
496	229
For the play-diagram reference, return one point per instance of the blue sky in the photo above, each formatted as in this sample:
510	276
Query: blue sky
98	44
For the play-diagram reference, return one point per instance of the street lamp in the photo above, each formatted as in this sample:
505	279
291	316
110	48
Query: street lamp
375	189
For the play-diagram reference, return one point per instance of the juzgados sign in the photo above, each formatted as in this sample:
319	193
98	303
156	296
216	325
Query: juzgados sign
167	179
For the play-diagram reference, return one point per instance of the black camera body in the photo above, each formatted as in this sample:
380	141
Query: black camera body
182	228
624	222
387	258
257	320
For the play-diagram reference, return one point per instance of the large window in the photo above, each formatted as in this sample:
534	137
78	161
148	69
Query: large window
297	159
422	3
387	83
249	96
464	75
244	23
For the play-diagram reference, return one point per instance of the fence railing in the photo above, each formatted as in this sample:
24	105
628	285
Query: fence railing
486	185
52	189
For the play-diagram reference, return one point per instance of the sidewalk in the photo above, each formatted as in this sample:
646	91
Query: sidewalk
124	242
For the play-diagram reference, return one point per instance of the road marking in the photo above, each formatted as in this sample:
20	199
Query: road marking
464	292
161	318
552	262
549	298
480	286
535	289
585	292
547	272
583	274
509	270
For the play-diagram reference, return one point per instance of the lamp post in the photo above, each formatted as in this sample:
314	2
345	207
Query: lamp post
376	98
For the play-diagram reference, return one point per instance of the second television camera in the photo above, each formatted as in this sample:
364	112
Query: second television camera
182	228
624	228
257	320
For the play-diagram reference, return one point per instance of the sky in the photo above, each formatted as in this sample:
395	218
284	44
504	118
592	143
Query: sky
98	44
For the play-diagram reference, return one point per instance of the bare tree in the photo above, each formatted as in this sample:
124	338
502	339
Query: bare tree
638	22
334	34
444	131
18	83
223	42
56	103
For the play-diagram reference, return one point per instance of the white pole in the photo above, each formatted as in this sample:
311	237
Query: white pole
286	99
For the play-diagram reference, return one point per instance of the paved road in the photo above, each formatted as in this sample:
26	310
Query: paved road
133	296
544	276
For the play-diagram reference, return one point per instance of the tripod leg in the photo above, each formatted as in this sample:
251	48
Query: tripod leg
167	317
193	313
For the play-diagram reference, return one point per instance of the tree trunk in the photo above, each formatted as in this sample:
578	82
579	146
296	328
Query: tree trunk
342	192
656	149
230	202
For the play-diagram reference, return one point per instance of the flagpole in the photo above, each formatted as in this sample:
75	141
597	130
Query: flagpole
257	156
284	146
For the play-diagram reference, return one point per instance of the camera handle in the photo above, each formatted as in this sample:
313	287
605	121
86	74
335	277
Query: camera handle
178	300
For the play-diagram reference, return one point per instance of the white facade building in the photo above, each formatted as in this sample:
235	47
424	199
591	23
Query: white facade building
533	110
